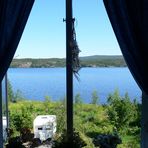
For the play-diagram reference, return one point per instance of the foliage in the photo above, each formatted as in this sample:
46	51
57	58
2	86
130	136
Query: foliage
10	91
47	102
26	135
15	142
21	119
123	113
63	141
78	99
13	97
47	99
23	113
130	142
18	96
89	61
107	141
90	120
95	98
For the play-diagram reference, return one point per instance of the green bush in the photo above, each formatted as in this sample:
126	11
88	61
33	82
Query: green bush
123	113
78	99
94	98
21	118
10	91
63	141
120	114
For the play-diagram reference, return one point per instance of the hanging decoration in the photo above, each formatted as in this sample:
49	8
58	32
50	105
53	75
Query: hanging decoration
75	54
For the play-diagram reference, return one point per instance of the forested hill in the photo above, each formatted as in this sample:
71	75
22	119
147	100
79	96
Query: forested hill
88	61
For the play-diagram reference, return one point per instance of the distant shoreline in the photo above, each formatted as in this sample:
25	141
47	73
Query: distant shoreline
81	67
88	61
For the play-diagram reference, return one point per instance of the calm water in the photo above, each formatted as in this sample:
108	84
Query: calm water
36	83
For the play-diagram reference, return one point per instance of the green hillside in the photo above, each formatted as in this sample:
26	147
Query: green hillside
88	61
102	61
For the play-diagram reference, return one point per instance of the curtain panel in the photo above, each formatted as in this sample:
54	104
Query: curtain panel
129	19
13	18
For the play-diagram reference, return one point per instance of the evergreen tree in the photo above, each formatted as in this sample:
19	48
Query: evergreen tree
78	99
10	91
94	98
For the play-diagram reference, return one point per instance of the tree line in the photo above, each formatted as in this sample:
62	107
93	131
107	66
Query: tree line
90	61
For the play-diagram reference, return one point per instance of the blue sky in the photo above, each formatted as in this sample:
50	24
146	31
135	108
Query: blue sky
44	35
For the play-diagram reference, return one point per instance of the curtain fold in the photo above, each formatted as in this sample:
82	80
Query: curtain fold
129	19
13	18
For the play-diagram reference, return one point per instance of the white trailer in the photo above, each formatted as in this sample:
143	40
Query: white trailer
44	127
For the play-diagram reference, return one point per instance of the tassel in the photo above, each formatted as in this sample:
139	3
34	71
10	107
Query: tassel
75	55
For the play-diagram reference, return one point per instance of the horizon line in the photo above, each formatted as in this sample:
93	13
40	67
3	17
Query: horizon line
62	57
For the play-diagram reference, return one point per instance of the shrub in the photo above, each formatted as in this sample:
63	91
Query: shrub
78	99
95	98
107	141
21	119
63	141
10	91
122	112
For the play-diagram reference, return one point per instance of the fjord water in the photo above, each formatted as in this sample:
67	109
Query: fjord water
36	83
